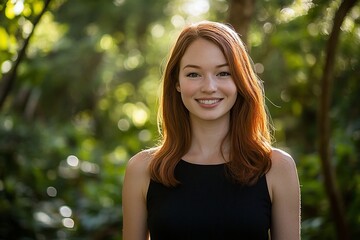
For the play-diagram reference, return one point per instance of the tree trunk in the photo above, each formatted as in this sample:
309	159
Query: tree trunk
240	14
331	187
8	79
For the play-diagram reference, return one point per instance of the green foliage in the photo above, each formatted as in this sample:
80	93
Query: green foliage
85	100
292	51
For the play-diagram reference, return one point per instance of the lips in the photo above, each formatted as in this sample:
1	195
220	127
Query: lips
209	101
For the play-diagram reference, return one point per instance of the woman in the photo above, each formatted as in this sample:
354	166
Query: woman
215	174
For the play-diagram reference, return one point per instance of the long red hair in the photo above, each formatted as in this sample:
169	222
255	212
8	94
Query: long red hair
249	132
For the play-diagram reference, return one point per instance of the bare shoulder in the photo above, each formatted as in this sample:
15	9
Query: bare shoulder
137	174
281	160
140	161
283	172
284	191
134	192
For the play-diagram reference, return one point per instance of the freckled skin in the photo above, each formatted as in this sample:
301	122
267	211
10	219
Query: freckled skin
205	82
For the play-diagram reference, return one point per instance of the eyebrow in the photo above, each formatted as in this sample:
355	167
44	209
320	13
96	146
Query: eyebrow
196	66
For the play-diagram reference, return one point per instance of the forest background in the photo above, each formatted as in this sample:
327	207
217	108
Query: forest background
79	94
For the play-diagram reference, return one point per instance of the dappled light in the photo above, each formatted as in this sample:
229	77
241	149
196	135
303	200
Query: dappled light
296	9
157	31
195	7
106	42
145	135
123	124
178	21
79	95
72	161
6	66
134	59
119	155
65	211
51	191
68	223
44	218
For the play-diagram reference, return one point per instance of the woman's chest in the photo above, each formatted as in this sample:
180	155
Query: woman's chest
210	205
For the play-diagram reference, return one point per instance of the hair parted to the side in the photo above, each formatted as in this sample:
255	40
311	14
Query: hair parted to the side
249	134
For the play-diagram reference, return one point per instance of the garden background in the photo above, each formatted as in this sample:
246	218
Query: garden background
79	85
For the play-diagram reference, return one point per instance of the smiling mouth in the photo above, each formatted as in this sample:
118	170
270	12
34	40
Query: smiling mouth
209	101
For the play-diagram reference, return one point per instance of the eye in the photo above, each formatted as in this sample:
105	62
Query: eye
192	75
224	74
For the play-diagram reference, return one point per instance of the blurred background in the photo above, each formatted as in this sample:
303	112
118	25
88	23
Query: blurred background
79	85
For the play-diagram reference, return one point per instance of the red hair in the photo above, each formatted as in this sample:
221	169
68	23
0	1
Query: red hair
249	134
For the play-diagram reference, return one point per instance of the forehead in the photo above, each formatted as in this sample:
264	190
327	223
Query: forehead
202	51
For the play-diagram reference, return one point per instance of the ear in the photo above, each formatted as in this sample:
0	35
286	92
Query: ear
178	87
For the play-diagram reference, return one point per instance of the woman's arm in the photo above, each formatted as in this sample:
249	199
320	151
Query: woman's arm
285	193
134	198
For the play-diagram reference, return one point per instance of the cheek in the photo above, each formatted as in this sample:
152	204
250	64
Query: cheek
233	93
186	95
186	89
232	90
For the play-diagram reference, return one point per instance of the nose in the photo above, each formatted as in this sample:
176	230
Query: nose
209	84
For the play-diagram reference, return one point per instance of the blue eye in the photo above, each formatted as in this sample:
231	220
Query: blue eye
224	74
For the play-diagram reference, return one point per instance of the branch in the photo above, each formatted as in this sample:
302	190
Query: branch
8	79
240	14
324	122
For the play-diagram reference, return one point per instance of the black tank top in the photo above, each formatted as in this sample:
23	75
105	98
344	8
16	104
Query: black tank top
208	205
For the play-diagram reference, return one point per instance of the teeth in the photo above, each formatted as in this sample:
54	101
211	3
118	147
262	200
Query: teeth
209	102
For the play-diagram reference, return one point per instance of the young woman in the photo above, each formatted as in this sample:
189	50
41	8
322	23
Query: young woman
215	174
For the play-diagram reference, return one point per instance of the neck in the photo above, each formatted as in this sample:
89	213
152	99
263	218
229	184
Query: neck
207	139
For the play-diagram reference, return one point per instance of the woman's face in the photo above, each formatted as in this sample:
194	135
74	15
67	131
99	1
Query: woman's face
205	83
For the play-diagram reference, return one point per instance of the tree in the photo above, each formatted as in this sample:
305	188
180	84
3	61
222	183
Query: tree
85	97
8	80
331	185
240	15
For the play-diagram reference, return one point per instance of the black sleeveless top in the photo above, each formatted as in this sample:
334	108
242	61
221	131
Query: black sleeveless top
208	205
